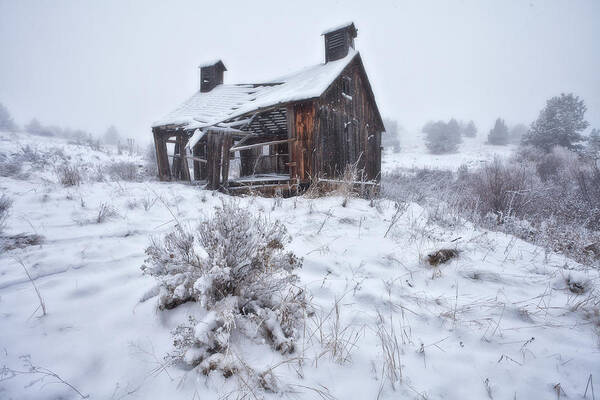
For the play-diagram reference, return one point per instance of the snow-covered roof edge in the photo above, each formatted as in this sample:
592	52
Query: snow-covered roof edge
337	28
308	83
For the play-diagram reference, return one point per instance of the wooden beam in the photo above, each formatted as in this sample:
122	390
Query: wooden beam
191	158
251	146
225	164
162	159
197	159
176	164
185	169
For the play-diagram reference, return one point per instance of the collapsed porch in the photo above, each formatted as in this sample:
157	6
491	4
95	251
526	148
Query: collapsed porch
233	155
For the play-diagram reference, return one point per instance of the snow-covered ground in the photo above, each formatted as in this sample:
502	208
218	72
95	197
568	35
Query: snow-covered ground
472	153
497	322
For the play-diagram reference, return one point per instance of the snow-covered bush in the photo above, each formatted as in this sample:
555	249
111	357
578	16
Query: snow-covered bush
123	170
234	265
10	166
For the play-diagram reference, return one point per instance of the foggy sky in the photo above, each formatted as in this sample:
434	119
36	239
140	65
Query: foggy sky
91	64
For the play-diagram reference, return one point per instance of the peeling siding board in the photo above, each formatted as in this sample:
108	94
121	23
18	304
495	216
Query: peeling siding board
304	115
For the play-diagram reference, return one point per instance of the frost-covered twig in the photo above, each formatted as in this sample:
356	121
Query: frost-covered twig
8	373
42	304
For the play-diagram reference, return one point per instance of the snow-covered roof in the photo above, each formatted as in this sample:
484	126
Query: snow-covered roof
337	28
225	102
210	63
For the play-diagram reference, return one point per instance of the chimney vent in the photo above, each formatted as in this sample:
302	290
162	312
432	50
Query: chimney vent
338	41
211	75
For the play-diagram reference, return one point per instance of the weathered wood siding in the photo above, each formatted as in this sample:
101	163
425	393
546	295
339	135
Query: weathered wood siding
302	148
338	129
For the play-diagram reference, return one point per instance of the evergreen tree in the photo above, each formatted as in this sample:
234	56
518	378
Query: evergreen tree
441	137
470	130
453	128
6	121
560	123
499	133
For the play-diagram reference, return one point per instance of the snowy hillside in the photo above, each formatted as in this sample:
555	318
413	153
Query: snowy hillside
502	320
472	152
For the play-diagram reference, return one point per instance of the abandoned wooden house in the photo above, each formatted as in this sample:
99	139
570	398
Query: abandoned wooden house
283	133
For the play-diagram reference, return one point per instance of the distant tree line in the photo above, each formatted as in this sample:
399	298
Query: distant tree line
80	136
560	123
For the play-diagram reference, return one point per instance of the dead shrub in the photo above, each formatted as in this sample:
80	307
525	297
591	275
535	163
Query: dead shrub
10	166
500	188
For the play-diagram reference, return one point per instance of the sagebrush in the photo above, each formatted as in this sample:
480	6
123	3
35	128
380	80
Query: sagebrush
235	267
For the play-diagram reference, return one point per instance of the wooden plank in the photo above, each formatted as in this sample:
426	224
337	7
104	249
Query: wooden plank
292	146
251	146
196	162
164	172
197	159
210	158
176	165
185	169
225	167
217	149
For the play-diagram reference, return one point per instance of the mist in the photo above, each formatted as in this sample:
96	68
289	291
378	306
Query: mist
92	64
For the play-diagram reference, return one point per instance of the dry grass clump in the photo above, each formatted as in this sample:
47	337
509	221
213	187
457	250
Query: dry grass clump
105	212
10	166
351	184
337	338
69	175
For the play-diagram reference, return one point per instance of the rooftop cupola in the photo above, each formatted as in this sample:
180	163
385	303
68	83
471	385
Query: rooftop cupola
338	41
211	75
